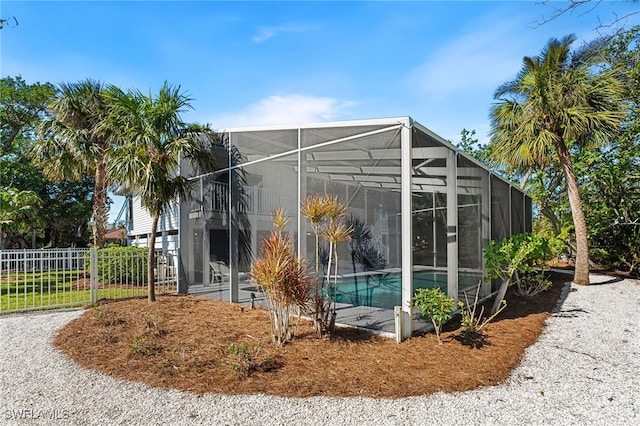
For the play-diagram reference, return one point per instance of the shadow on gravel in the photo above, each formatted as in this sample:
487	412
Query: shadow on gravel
611	280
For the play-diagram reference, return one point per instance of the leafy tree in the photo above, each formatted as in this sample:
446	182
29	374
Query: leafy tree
469	145
23	106
558	101
326	213
612	203
66	213
154	141
336	232
612	191
65	208
314	208
74	143
18	209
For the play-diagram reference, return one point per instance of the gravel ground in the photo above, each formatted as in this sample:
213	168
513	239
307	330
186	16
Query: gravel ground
583	370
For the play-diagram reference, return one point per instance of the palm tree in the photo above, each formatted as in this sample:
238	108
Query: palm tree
73	143
334	233
314	209
154	141
360	240
237	181
560	101
283	277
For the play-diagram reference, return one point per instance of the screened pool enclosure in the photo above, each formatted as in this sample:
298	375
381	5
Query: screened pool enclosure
422	213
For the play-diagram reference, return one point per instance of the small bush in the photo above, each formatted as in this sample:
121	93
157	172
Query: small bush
245	359
283	277
143	345
121	265
106	316
433	303
473	321
107	320
517	255
532	284
152	325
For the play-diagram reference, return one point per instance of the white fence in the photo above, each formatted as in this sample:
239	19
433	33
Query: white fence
54	278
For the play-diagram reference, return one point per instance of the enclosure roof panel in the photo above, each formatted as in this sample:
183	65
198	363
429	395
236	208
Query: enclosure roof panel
406	120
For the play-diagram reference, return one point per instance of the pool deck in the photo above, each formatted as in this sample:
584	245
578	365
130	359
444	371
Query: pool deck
374	319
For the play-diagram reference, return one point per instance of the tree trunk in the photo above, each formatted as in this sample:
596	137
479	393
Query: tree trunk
555	222
8	142
581	275
100	205
526	178
502	291
151	259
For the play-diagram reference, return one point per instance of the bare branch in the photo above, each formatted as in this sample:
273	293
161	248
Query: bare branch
9	22
585	7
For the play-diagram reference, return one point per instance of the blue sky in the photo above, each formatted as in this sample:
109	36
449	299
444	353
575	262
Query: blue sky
255	63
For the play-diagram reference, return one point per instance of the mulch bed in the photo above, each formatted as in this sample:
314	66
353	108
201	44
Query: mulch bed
182	342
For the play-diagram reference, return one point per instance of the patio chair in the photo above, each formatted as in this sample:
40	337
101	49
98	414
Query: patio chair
218	272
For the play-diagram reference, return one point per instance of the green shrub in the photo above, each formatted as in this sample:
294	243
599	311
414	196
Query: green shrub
121	265
433	303
517	255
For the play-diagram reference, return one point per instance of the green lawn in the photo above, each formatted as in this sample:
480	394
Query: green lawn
42	290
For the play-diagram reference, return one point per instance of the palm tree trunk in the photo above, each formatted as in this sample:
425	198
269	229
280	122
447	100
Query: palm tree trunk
332	323
356	300
581	274
329	270
316	231
100	205
151	259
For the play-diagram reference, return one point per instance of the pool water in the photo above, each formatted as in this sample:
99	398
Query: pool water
385	290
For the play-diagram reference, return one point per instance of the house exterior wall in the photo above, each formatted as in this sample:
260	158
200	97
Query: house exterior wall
140	226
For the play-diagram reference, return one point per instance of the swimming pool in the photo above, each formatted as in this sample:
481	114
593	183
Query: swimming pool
376	290
384	290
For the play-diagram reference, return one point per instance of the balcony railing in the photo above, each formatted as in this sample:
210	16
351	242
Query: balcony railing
257	200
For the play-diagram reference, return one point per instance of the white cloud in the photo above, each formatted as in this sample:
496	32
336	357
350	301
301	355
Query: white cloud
476	61
481	59
265	33
287	109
